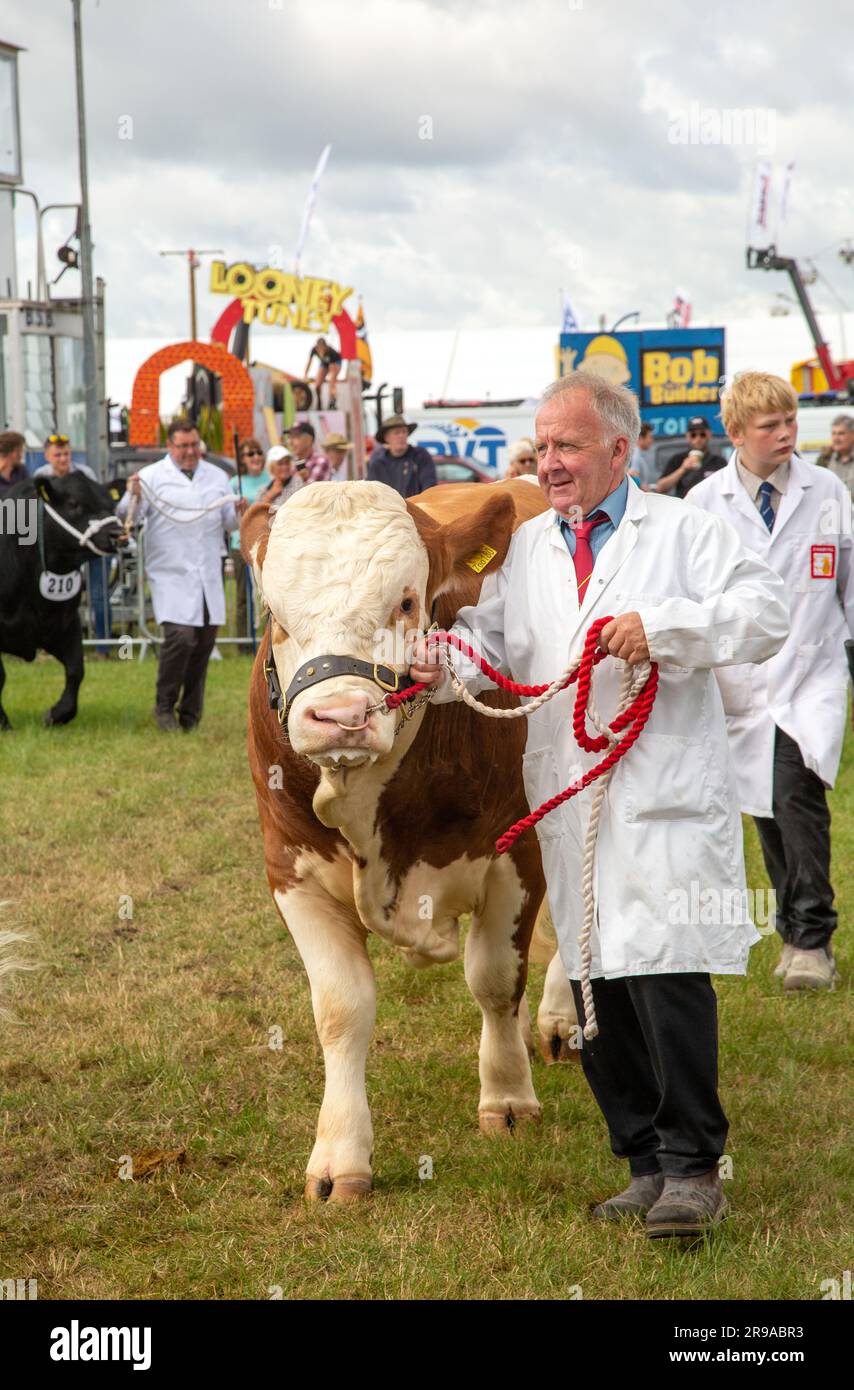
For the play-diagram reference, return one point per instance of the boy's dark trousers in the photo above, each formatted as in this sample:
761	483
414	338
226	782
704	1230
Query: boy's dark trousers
796	849
654	1071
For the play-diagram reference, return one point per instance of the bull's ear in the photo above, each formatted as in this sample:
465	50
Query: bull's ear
254	528
474	544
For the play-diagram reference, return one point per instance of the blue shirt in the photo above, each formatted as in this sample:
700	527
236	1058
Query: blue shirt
614	505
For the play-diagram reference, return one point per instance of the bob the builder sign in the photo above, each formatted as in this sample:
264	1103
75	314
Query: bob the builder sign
273	297
675	373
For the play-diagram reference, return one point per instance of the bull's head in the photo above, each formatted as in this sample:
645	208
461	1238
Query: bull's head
352	570
86	508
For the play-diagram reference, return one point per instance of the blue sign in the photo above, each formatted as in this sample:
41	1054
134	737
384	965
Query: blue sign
676	373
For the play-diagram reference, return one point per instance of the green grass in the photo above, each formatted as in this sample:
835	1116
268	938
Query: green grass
152	1032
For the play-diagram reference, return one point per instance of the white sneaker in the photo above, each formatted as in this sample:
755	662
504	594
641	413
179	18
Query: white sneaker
814	969
785	960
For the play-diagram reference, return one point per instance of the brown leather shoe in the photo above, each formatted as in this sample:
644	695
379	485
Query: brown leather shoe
641	1194
687	1206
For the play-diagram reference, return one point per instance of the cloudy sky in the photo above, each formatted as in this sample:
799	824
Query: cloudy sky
557	155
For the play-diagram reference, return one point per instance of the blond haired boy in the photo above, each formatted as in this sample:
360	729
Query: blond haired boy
786	717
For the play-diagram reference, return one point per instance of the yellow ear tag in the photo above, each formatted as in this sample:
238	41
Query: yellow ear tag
481	558
114	492
43	493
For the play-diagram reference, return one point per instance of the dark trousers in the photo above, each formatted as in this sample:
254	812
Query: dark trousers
654	1071
796	849
184	656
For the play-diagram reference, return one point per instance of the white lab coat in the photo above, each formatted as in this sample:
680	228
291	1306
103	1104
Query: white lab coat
670	830
183	558
804	688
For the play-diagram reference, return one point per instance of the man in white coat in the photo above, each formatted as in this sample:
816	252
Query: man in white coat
185	503
680	582
787	718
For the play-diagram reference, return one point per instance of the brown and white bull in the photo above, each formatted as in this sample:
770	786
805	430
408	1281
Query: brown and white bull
373	822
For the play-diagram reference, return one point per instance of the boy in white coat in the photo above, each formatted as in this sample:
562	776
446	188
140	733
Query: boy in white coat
670	833
786	719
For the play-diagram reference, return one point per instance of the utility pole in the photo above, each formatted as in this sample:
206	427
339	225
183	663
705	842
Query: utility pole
90	379
193	263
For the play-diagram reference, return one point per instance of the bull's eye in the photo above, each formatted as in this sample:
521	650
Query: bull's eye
407	605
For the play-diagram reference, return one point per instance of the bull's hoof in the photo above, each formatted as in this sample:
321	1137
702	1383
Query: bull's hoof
52	717
350	1187
317	1189
554	1049
503	1122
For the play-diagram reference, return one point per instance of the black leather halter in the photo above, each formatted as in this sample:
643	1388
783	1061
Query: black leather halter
323	668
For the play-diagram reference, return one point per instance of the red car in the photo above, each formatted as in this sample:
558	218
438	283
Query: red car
451	469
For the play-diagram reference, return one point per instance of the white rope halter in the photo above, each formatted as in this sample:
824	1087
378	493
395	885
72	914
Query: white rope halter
83	538
168	509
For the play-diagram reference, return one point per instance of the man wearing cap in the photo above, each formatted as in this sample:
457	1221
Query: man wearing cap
336	448
306	453
693	464
406	467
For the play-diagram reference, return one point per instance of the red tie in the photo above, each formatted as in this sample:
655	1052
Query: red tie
583	557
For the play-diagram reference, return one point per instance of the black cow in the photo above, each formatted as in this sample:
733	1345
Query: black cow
40	561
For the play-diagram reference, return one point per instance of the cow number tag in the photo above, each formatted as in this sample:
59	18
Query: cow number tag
823	561
481	558
59	587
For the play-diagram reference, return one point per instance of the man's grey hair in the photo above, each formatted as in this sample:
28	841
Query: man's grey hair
846	421
616	407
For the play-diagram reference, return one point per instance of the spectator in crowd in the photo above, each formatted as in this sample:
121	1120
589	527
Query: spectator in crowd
786	719
406	467
185	503
642	467
687	469
252	484
306	453
287	475
522	459
58	464
12	468
336	448
839	458
329	369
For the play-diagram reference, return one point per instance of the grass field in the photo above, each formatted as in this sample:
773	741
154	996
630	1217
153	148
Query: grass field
151	1031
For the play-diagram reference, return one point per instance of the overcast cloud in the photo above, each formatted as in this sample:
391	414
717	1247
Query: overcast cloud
550	163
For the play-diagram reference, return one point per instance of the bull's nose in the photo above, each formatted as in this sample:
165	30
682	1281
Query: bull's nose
348	711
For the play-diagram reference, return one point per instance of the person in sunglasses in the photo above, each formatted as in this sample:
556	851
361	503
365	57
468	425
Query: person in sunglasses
693	464
58	461
253	482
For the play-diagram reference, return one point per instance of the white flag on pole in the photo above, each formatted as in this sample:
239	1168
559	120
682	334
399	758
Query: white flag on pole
309	208
759	234
784	195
